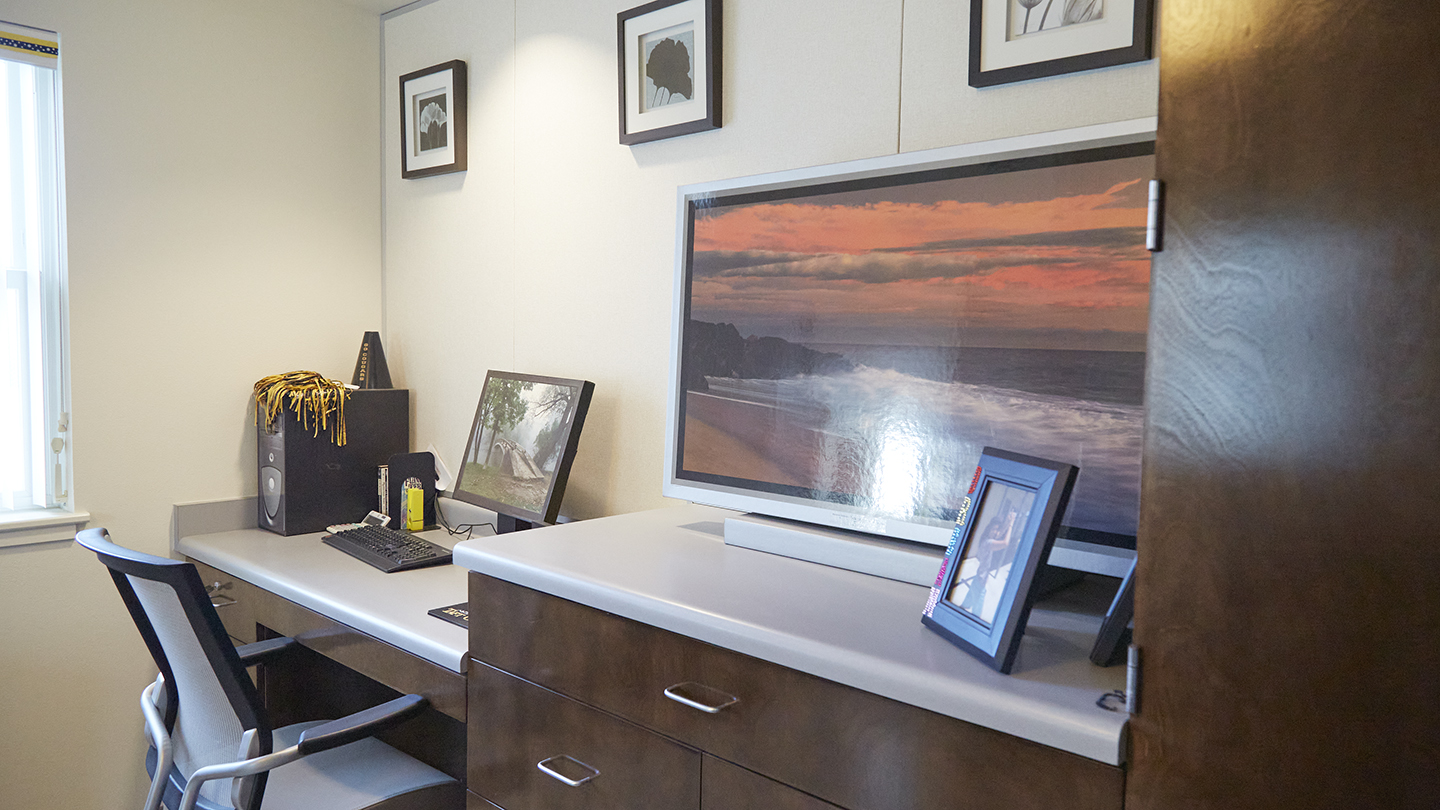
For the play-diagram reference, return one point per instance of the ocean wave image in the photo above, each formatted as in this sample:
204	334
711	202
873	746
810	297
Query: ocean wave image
907	446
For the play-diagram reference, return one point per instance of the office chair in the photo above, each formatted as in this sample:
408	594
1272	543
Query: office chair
212	744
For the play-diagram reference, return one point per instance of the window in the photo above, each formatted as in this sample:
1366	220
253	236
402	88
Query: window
34	401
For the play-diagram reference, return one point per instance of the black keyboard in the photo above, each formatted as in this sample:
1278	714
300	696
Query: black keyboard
388	549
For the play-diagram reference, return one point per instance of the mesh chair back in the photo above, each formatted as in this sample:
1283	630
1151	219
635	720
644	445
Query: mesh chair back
210	700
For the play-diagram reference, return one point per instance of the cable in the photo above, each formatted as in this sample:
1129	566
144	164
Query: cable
468	528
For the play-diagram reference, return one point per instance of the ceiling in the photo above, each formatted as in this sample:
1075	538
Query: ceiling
375	6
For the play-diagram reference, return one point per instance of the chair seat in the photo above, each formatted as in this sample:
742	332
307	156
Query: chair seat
363	774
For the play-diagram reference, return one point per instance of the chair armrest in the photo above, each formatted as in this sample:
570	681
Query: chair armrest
262	652
360	724
312	741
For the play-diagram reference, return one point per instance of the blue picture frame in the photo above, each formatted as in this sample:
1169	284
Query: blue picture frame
1006	525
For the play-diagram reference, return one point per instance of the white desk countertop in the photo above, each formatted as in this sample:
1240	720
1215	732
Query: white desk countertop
390	607
670	568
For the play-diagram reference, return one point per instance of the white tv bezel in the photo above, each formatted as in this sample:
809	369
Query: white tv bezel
840	516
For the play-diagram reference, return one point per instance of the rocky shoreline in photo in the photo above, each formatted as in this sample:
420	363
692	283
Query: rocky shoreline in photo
718	350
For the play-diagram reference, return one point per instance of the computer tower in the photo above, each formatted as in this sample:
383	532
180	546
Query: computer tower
307	483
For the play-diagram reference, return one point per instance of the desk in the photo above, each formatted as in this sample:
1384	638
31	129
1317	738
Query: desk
848	702
368	622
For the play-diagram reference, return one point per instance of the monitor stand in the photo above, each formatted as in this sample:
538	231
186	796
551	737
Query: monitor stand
504	524
916	563
903	560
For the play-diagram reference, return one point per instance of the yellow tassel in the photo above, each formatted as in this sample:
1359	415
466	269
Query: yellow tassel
312	397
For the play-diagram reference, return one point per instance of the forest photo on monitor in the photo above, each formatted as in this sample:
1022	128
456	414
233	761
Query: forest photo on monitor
518	442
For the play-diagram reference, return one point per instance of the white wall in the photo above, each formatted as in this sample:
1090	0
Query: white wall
223	183
554	253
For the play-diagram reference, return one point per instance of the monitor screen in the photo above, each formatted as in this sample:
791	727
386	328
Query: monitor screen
522	444
847	339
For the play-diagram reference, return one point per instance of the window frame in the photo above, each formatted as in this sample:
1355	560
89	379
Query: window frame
47	287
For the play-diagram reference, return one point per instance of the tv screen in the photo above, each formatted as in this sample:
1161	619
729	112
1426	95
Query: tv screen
522	444
847	339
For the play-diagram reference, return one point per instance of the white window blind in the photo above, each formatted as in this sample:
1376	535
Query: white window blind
34	430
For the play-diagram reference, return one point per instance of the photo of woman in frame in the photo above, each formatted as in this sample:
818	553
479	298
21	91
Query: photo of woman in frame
987	560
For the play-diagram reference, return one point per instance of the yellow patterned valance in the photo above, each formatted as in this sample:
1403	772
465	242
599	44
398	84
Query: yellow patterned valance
33	46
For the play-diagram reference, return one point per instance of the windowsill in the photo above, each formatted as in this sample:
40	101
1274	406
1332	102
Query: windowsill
32	526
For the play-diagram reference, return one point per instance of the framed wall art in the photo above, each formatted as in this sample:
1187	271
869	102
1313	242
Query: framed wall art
1007	522
1015	40
432	120
669	69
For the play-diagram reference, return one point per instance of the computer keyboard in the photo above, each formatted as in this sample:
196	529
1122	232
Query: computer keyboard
388	549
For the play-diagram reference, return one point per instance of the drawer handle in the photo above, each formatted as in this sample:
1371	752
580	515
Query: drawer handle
702	697
215	599
545	768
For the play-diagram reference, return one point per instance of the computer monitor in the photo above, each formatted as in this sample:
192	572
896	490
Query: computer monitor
521	446
847	339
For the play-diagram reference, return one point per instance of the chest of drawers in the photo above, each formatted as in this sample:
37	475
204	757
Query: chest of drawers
637	716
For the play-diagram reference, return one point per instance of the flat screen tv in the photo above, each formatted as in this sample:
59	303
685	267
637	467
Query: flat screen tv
847	339
521	446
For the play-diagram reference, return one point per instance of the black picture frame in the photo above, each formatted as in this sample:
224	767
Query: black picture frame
1114	636
1007	523
428	148
999	55
684	32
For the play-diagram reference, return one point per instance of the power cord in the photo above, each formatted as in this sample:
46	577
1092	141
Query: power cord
467	528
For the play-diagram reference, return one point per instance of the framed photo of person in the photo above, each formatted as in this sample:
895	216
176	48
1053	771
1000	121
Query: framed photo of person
669	69
1015	40
1006	524
432	120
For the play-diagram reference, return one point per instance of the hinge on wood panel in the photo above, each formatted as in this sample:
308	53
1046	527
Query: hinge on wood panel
1132	680
1128	700
1153	226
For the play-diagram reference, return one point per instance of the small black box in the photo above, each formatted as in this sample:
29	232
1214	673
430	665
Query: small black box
307	483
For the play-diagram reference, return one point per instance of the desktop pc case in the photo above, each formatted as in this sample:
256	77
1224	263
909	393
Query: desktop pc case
307	483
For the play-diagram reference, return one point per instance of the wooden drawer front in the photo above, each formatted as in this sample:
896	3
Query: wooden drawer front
844	745
474	801
513	725
236	602
729	787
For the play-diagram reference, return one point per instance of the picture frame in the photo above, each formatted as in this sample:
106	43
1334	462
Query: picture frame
1007	523
669	62
1114	636
433	120
1008	43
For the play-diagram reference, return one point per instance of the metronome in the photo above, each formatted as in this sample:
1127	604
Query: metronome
370	368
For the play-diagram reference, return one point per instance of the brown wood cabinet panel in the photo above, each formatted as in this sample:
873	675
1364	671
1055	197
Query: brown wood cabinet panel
474	801
515	725
1286	598
844	745
724	786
